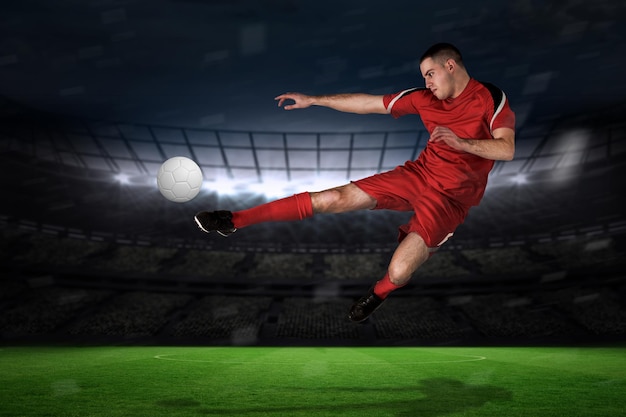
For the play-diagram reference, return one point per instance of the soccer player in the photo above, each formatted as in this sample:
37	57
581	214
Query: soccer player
471	125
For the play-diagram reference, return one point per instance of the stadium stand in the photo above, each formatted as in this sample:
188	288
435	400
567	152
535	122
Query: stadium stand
279	266
354	266
462	313
575	254
131	314
598	309
306	318
514	317
84	257
132	258
418	318
444	264
509	260
230	319
41	311
206	263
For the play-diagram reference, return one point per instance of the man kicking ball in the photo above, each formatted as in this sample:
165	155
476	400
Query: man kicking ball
471	125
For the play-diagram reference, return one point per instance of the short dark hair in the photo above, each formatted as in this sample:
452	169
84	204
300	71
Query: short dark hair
442	52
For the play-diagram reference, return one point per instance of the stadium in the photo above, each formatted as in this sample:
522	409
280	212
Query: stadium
113	303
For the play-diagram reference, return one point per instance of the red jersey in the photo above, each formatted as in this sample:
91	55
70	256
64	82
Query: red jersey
474	114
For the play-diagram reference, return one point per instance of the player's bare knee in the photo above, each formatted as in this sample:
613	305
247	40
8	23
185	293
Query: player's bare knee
326	201
399	274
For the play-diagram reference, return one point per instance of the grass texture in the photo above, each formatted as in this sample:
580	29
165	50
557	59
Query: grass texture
309	381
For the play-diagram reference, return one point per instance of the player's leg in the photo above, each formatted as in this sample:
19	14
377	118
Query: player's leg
348	197
410	254
433	223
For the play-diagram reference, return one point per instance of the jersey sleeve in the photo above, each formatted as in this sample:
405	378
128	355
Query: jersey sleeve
403	102
503	116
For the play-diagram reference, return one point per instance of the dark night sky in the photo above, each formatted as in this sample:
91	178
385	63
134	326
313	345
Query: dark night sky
219	64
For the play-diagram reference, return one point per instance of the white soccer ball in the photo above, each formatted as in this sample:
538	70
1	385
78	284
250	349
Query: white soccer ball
179	179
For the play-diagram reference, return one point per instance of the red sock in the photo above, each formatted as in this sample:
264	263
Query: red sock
296	207
384	287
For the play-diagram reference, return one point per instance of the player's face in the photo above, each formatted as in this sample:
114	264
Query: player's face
438	79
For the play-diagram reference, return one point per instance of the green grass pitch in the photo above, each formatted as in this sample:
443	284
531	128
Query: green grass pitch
312	381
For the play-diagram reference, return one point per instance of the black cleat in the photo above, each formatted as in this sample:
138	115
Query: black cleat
364	307
219	221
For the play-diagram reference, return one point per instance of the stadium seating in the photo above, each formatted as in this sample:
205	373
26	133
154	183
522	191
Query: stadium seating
131	314
551	315
418	318
60	287
354	266
207	263
306	318
514	316
41	311
280	266
222	318
508	260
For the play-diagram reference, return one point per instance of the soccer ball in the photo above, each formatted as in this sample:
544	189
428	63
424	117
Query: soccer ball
179	179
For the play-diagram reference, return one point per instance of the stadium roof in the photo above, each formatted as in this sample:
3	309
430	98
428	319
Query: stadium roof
64	175
97	90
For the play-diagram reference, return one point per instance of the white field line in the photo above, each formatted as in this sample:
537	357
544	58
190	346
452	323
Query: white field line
468	358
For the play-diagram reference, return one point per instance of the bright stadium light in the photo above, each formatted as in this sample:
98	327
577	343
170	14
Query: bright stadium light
270	189
573	146
572	141
324	183
520	178
122	178
223	186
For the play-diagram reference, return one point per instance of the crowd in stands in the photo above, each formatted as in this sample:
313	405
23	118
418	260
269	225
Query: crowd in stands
41	311
504	315
599	310
206	263
416	318
443	264
134	258
306	318
20	247
281	265
221	317
130	314
560	314
507	260
45	250
545	309
576	254
354	266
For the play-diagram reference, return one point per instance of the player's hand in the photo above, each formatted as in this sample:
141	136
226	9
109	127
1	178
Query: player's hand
301	101
444	134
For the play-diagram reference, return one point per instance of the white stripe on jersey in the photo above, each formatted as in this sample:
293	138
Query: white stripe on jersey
392	102
498	110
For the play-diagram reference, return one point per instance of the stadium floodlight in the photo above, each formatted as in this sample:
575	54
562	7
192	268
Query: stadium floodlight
122	178
226	186
270	189
520	178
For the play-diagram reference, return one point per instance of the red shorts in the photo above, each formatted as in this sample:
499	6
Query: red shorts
436	215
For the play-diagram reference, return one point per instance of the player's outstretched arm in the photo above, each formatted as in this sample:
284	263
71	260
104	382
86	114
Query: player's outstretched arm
350	103
500	148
